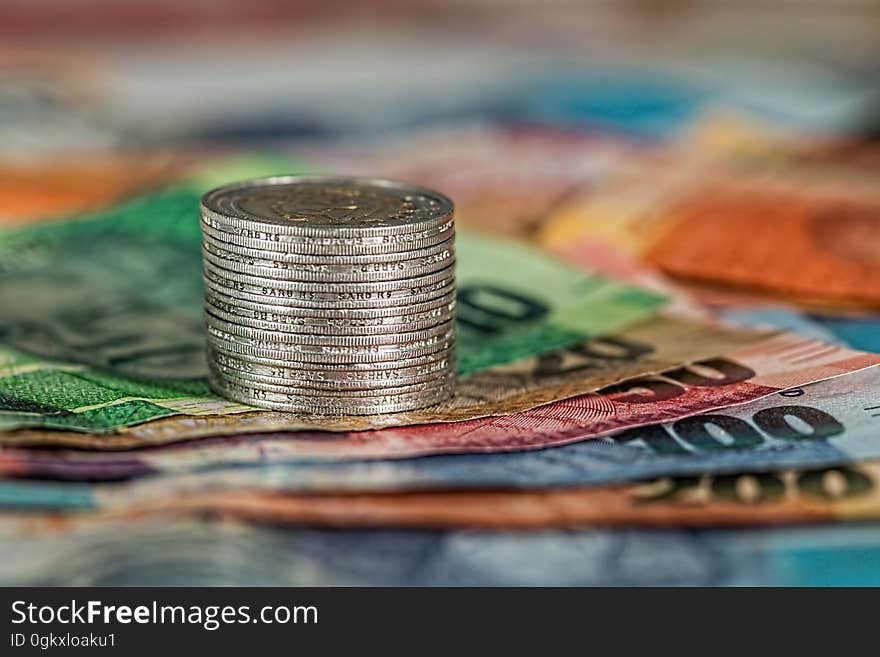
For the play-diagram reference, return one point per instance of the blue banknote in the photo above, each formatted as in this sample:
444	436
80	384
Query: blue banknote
856	332
828	423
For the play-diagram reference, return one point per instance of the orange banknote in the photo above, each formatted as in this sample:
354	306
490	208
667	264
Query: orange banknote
763	498
802	225
33	191
776	239
845	493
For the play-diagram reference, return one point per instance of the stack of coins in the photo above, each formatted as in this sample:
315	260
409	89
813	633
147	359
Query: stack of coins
330	295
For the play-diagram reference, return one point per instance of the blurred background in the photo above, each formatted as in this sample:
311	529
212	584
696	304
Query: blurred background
99	97
724	154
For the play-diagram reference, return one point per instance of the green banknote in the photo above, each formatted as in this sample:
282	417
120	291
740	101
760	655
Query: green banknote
101	323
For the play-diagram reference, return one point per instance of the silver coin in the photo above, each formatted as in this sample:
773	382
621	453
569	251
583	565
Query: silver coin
232	230
317	205
282	353
367	368
330	295
331	271
294	404
420	391
340	298
333	246
287	387
271	312
243	252
288	323
368	333
321	361
411	285
367	303
374	387
336	378
246	335
442	385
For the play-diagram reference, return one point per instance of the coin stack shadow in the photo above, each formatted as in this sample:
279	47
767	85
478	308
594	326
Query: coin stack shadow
330	295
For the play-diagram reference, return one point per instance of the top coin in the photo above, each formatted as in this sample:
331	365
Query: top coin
322	205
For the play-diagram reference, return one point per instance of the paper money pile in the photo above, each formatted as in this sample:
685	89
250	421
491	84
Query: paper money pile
592	390
330	295
666	350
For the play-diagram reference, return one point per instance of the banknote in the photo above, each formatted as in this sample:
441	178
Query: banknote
780	431
650	346
858	330
828	240
625	212
832	494
696	218
783	318
165	551
855	331
102	323
609	260
825	424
